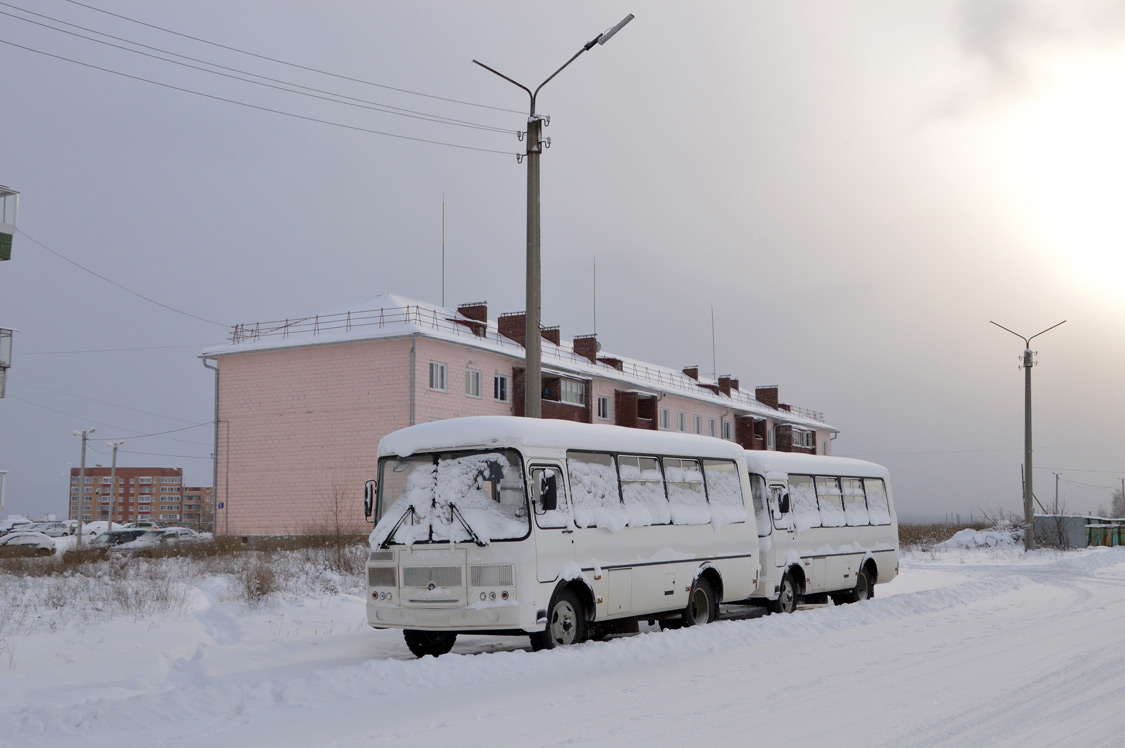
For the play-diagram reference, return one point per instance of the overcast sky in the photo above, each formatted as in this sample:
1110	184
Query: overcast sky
856	188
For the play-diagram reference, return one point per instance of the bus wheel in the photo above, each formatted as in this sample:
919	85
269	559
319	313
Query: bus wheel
566	624
701	607
424	643
786	601
862	589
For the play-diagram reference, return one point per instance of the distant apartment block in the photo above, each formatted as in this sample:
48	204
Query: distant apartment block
302	403
144	494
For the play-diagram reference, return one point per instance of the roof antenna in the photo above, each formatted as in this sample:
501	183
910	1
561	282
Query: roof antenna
714	366
595	294
443	249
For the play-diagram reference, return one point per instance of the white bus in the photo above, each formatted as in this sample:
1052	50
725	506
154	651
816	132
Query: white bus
826	527
557	530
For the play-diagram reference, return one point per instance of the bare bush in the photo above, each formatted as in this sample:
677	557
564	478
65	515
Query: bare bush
256	580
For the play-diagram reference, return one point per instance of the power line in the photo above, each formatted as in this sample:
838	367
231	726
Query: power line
115	283
114	425
260	108
101	402
162	433
349	100
293	64
163	454
110	350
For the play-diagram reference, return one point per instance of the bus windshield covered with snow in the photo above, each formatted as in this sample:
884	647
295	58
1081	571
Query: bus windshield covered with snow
552	529
826	526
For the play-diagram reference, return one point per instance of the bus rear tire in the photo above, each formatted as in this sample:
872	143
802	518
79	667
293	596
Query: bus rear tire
566	623
787	598
702	607
434	643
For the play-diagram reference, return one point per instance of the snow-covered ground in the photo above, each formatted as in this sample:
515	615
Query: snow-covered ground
966	647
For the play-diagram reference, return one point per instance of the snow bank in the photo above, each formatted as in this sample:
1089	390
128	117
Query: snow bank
969	539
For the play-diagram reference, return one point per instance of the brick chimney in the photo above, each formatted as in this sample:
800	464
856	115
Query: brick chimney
734	385
724	384
551	333
587	347
766	395
478	312
616	363
513	326
692	371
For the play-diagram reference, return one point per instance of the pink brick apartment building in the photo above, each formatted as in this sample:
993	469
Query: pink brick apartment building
301	404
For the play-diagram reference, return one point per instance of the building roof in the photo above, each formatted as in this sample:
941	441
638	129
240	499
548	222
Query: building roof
390	316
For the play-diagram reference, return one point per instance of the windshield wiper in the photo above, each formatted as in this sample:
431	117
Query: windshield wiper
390	536
455	512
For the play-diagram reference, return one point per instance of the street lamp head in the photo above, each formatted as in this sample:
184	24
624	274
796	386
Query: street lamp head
608	33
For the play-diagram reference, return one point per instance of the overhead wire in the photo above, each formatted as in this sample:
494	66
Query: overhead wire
100	402
308	90
114	425
199	346
115	283
292	64
282	112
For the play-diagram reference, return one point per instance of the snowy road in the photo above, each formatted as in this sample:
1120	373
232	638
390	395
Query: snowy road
966	648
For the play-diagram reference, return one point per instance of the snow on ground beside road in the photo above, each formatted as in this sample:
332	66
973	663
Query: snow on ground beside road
969	538
981	647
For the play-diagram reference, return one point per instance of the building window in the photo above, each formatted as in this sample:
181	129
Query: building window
603	407
106	481
169	479
664	418
145	481
74	480
88	479
681	421
712	426
500	388
699	424
769	438
572	392
472	382
437	377
726	430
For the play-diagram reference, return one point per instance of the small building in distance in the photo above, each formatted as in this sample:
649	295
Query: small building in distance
302	403
144	494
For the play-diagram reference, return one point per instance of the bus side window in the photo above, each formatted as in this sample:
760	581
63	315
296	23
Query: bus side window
548	497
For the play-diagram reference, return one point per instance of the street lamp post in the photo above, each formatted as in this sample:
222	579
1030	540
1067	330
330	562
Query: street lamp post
113	483
85	434
533	346
1028	362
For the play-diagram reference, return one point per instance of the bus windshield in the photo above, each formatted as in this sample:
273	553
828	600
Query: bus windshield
451	497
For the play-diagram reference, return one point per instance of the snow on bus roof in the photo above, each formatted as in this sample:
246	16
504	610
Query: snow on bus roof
499	431
792	462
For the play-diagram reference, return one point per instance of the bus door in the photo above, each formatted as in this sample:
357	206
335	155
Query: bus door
554	524
780	510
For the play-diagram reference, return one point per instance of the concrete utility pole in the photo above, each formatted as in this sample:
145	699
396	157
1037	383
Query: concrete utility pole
533	346
1028	362
113	483
85	434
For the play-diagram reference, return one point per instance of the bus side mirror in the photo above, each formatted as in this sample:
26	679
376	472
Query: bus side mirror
548	492
369	498
783	504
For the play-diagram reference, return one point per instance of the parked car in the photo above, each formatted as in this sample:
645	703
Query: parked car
27	543
111	538
144	524
54	529
152	541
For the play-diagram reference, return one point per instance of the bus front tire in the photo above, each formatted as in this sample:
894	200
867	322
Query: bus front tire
435	643
702	607
787	598
566	623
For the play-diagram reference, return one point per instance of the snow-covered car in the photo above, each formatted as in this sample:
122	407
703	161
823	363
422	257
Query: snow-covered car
160	540
27	543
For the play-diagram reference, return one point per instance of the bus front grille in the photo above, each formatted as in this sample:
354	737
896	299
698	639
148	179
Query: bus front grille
424	576
381	576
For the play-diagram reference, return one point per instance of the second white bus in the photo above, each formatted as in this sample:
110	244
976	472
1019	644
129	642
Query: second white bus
826	527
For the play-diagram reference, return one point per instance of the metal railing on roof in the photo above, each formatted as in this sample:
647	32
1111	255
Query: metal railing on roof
438	320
